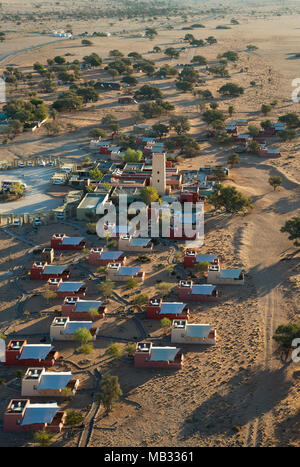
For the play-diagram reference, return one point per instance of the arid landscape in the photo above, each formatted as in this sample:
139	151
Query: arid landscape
243	391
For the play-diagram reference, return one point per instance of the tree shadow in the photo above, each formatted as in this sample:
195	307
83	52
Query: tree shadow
248	395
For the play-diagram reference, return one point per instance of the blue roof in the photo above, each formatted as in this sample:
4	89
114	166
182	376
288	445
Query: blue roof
205	258
70	286
55	380
139	241
172	308
40	413
198	330
86	305
111	255
203	289
163	354
54	269
72	326
72	240
129	271
35	351
231	273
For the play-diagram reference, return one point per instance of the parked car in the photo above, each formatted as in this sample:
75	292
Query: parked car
60	216
58	181
29	164
16	222
21	165
37	221
51	163
42	164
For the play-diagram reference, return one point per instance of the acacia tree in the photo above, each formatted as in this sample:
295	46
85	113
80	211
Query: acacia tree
285	335
233	160
180	124
110	391
292	227
48	294
149	195
275	182
106	288
115	351
230	198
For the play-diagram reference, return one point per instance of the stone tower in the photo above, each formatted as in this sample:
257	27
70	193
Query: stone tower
159	173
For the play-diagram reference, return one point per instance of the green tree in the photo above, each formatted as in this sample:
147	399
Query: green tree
275	182
159	130
230	198
266	109
199	60
149	92
287	135
165	323
115	351
292	227
73	417
231	56
253	146
291	120
98	133
285	334
231	110
132	283
106	288
253	130
110	391
164	288
93	312
43	437
141	299
180	124
231	90
185	86
130	348
86	42
202	266
48	294
149	195
233	160
171	52
96	174
82	335
133	156
212	115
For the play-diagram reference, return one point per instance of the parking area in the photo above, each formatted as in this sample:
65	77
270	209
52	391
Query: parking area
37	197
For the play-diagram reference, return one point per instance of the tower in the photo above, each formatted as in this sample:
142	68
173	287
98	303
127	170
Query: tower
159	173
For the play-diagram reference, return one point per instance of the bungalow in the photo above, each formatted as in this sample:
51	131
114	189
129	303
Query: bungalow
61	241
22	416
267	152
90	204
197	292
157	309
242	138
42	271
189	194
65	289
138	245
231	129
98	257
216	275
42	383
187	333
119	273
62	329
77	309
19	353
191	258
148	356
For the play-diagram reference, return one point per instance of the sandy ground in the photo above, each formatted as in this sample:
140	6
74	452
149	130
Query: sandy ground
238	393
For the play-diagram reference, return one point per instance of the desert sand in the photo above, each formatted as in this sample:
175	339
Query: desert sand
240	392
